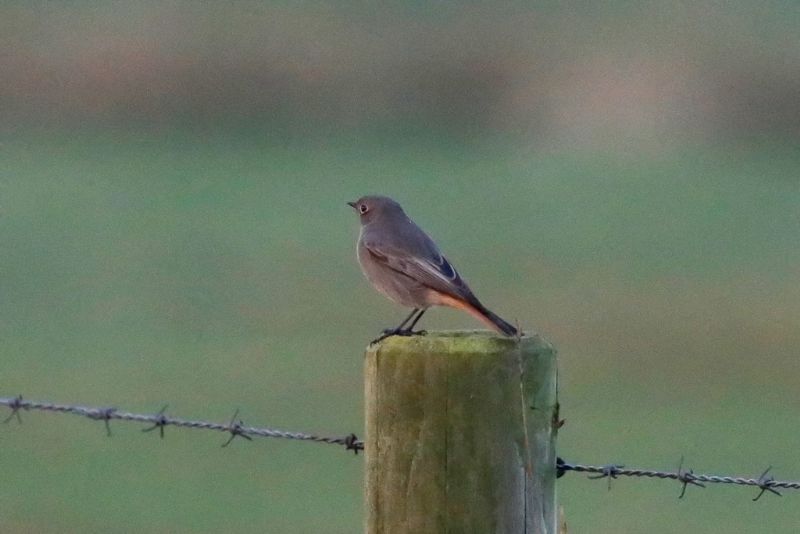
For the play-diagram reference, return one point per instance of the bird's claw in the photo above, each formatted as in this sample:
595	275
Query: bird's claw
389	332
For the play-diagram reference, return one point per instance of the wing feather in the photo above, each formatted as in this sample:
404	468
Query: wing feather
435	272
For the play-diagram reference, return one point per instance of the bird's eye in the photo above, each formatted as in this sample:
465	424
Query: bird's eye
363	208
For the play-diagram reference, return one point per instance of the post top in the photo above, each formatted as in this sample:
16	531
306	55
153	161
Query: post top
475	341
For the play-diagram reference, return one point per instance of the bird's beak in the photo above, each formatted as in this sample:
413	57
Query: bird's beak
352	205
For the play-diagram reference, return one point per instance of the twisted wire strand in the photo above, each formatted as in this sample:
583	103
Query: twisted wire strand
685	477
160	420
236	428
650	473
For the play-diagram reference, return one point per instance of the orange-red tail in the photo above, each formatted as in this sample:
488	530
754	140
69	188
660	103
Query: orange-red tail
477	310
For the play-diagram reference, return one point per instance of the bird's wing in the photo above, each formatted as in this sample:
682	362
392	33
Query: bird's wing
431	269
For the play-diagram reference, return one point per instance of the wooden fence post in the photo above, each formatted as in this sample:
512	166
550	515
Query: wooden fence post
460	434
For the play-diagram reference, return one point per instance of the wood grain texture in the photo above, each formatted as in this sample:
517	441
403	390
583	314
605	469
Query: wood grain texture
460	434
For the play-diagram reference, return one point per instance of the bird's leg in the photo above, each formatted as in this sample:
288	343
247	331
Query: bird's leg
399	330
410	328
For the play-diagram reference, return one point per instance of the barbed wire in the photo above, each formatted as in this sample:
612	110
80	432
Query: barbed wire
685	476
159	420
236	428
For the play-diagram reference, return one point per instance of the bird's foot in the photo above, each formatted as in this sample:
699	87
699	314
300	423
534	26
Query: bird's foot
389	332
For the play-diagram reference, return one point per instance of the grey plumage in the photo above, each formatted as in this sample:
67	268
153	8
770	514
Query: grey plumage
404	263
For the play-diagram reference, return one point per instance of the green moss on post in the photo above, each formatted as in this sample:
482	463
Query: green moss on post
460	434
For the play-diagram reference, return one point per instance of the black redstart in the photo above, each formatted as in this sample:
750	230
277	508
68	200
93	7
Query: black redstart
403	263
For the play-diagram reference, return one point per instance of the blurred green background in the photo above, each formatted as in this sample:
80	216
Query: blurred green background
621	177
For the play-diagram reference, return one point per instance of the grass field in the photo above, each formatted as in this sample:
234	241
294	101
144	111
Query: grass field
215	273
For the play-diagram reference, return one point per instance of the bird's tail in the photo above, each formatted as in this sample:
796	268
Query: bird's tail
492	320
472	306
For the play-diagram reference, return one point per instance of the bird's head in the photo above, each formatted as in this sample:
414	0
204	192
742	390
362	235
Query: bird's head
372	207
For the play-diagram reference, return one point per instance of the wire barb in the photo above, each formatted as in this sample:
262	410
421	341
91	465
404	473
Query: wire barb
15	404
236	428
609	471
160	422
103	414
765	483
352	443
686	478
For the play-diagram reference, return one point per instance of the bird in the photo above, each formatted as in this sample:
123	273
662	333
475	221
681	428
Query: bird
404	264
